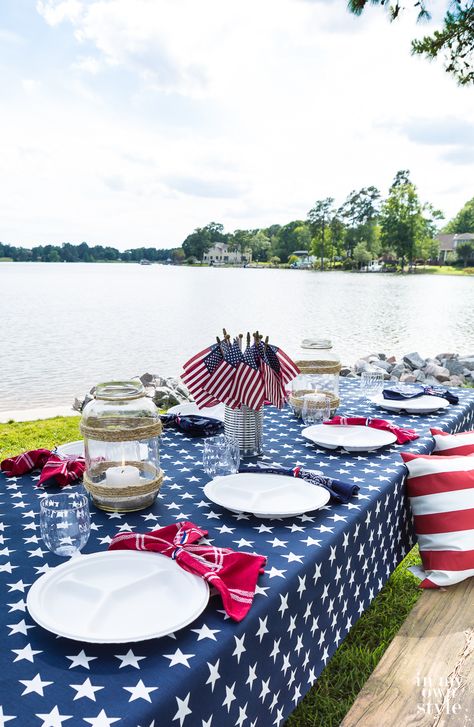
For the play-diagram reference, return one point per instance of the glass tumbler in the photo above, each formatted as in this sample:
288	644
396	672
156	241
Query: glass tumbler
65	522
221	456
371	383
316	409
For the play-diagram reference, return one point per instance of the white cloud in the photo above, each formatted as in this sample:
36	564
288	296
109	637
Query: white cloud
175	112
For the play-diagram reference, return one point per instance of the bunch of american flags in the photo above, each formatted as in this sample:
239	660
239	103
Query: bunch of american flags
225	372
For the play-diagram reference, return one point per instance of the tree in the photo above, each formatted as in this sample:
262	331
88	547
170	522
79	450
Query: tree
260	245
361	254
361	210
454	42
319	217
286	240
403	225
464	220
465	252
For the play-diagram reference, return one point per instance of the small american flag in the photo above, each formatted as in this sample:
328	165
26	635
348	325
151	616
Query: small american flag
220	383
197	372
274	390
249	386
289	370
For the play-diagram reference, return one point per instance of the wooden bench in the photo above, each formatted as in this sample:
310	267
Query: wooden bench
426	676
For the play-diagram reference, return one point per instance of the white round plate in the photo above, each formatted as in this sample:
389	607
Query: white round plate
71	449
213	412
350	437
116	597
419	405
266	495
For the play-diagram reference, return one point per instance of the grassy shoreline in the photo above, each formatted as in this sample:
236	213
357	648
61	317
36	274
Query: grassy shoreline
332	695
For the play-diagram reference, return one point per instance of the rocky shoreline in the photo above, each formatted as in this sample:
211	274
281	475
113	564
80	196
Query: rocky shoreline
449	369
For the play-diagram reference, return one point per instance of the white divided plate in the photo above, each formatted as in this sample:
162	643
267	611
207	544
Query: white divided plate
419	405
349	437
71	449
266	495
213	412
116	597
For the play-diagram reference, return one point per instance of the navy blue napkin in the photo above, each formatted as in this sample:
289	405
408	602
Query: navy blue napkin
412	391
339	491
193	425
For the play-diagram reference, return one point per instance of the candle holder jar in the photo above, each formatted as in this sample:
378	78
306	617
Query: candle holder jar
319	369
121	428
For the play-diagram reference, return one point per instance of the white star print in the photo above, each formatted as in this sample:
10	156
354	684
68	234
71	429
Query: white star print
102	720
26	653
183	709
229	696
80	659
252	675
242	715
265	690
239	648
34	685
179	658
276	573
86	689
4	718
19	628
206	633
140	691
213	674
129	659
53	718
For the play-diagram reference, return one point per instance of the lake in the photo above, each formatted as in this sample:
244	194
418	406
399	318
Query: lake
66	327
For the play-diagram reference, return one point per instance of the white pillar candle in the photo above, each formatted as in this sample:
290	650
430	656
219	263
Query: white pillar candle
123	476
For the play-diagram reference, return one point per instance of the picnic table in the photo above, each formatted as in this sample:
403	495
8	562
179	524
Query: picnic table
324	569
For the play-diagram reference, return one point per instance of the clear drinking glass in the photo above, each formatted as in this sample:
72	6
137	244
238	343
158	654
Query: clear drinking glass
316	409
221	456
371	383
65	522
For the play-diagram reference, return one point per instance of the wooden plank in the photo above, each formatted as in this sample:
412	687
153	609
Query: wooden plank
426	676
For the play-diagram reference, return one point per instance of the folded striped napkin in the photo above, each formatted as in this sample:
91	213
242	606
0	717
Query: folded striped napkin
65	470
234	575
402	433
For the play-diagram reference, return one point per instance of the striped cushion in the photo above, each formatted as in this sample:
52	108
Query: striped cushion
449	444
441	492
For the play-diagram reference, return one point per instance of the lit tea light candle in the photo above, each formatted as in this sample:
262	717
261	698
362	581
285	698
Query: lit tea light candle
125	475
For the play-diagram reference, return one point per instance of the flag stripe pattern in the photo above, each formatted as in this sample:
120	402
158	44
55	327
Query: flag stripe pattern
441	493
452	444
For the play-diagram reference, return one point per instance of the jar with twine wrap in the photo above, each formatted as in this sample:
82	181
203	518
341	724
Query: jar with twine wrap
121	428
320	367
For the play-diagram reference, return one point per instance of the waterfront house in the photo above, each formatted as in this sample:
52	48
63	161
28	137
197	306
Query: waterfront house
219	254
448	244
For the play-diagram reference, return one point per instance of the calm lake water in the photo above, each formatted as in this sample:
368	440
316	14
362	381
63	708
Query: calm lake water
66	327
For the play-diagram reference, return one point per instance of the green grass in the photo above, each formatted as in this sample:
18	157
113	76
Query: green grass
16	437
443	270
340	682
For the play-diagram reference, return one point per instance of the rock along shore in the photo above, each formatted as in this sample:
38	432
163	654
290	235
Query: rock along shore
450	369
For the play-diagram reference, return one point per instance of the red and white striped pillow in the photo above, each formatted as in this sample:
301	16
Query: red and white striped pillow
441	492
448	444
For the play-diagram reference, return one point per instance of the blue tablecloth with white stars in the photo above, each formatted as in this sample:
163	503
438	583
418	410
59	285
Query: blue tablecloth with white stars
324	569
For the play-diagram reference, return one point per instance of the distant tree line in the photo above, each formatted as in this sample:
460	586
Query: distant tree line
400	228
85	253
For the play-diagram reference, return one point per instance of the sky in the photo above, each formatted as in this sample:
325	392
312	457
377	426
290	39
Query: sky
132	122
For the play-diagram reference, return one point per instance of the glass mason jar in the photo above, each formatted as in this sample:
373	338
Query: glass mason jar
320	367
121	428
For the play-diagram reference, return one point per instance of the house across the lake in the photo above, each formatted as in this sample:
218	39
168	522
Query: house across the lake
448	243
219	254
